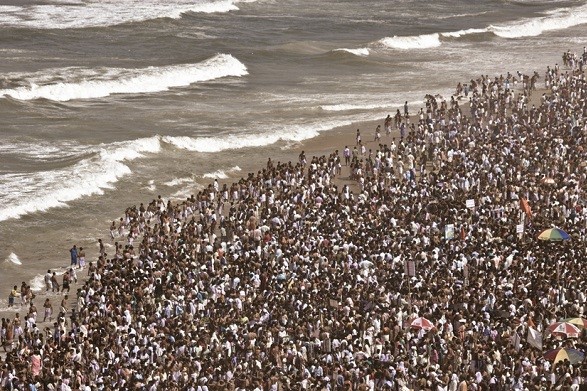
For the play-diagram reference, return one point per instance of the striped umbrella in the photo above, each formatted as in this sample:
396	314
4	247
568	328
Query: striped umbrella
581	323
554	235
573	355
563	329
422	323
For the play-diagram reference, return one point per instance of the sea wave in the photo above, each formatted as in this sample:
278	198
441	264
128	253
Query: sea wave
102	13
558	19
361	52
97	83
13	258
37	283
178	181
221	174
104	165
461	33
41	149
348	107
423	41
268	136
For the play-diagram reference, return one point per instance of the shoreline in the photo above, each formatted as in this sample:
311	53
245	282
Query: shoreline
322	145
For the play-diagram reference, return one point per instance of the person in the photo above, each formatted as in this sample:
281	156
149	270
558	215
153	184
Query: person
377	133
54	283
92	268
358	137
113	230
82	258
463	384
347	155
63	306
74	255
36	366
72	276
48	310
24	293
48	284
302	158
406	111
13	294
33	311
387	124
65	282
101	245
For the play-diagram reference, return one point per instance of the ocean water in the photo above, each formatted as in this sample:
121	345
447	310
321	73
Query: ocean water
105	104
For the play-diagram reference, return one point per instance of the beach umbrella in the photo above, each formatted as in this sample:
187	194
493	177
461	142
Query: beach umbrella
573	355
422	323
563	329
579	322
554	235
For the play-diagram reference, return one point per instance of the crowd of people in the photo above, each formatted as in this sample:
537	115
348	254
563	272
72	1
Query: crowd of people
293	279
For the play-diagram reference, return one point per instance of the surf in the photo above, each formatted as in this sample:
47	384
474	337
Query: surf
93	13
27	193
103	82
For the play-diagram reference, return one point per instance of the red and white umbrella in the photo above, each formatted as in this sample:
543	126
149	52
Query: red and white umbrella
581	323
563	329
422	323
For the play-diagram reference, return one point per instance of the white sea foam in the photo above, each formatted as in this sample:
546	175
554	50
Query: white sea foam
268	136
41	150
217	144
361	52
101	13
424	41
460	33
103	166
151	186
558	19
221	174
13	258
37	284
6	308
186	192
367	106
348	107
97	83
178	181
